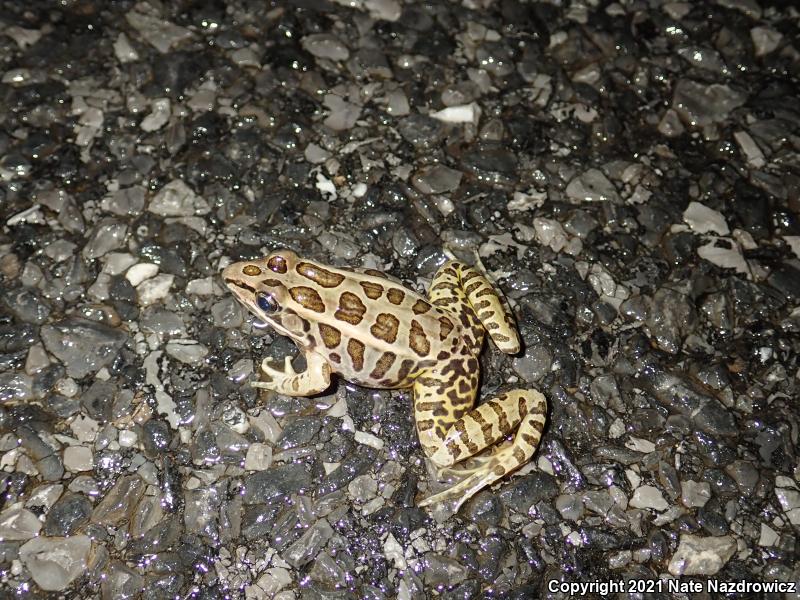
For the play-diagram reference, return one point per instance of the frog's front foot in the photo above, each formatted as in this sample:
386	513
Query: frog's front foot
314	380
275	378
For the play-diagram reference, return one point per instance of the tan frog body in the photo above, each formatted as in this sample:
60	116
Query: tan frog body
376	333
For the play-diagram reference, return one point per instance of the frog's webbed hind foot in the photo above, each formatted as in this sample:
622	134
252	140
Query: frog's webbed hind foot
474	464
314	380
493	467
484	427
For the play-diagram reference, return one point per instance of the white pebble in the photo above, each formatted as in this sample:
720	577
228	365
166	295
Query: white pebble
140	272
368	439
464	113
154	289
123	50
702	219
115	263
127	438
648	496
200	287
159	116
258	458
78	458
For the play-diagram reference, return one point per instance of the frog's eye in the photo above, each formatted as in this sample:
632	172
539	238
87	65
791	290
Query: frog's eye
266	303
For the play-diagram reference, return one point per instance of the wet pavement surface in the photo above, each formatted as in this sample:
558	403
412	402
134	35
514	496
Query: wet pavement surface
629	174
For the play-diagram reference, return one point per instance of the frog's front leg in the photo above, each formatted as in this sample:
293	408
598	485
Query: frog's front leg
314	380
448	438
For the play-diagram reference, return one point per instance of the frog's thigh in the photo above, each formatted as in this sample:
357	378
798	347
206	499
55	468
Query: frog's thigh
481	428
314	380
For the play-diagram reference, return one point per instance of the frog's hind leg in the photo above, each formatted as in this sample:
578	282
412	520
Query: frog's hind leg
491	308
448	440
314	380
456	283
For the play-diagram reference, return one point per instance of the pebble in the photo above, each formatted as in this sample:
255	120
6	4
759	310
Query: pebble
363	488
55	562
649	497
82	346
789	499
699	104
421	131
695	493
258	457
465	113
124	51
17	523
118	503
78	458
437	180
159	32
176	199
68	514
109	234
273	484
310	543
698	555
342	114
189	352
534	364
592	186
15	387
325	45
158	116
726	257
765	40
124	202
703	219
140	272
152	290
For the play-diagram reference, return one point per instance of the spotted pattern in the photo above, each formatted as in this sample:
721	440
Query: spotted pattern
251	271
445	327
320	276
405	369
277	264
383	365
350	309
331	336
375	273
425	424
372	290
385	327
395	296
418	340
308	298
420	307
355	350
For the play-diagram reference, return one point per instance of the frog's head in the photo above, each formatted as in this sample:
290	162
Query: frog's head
269	288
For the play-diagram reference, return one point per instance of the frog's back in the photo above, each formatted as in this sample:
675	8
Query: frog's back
373	331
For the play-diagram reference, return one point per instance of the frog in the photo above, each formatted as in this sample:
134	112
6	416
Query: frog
371	330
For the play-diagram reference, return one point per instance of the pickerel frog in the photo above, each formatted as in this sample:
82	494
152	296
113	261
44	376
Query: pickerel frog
378	334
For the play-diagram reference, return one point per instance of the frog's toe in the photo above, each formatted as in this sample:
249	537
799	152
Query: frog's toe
453	497
276	373
469	467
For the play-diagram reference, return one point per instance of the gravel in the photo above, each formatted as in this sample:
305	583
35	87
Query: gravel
626	172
